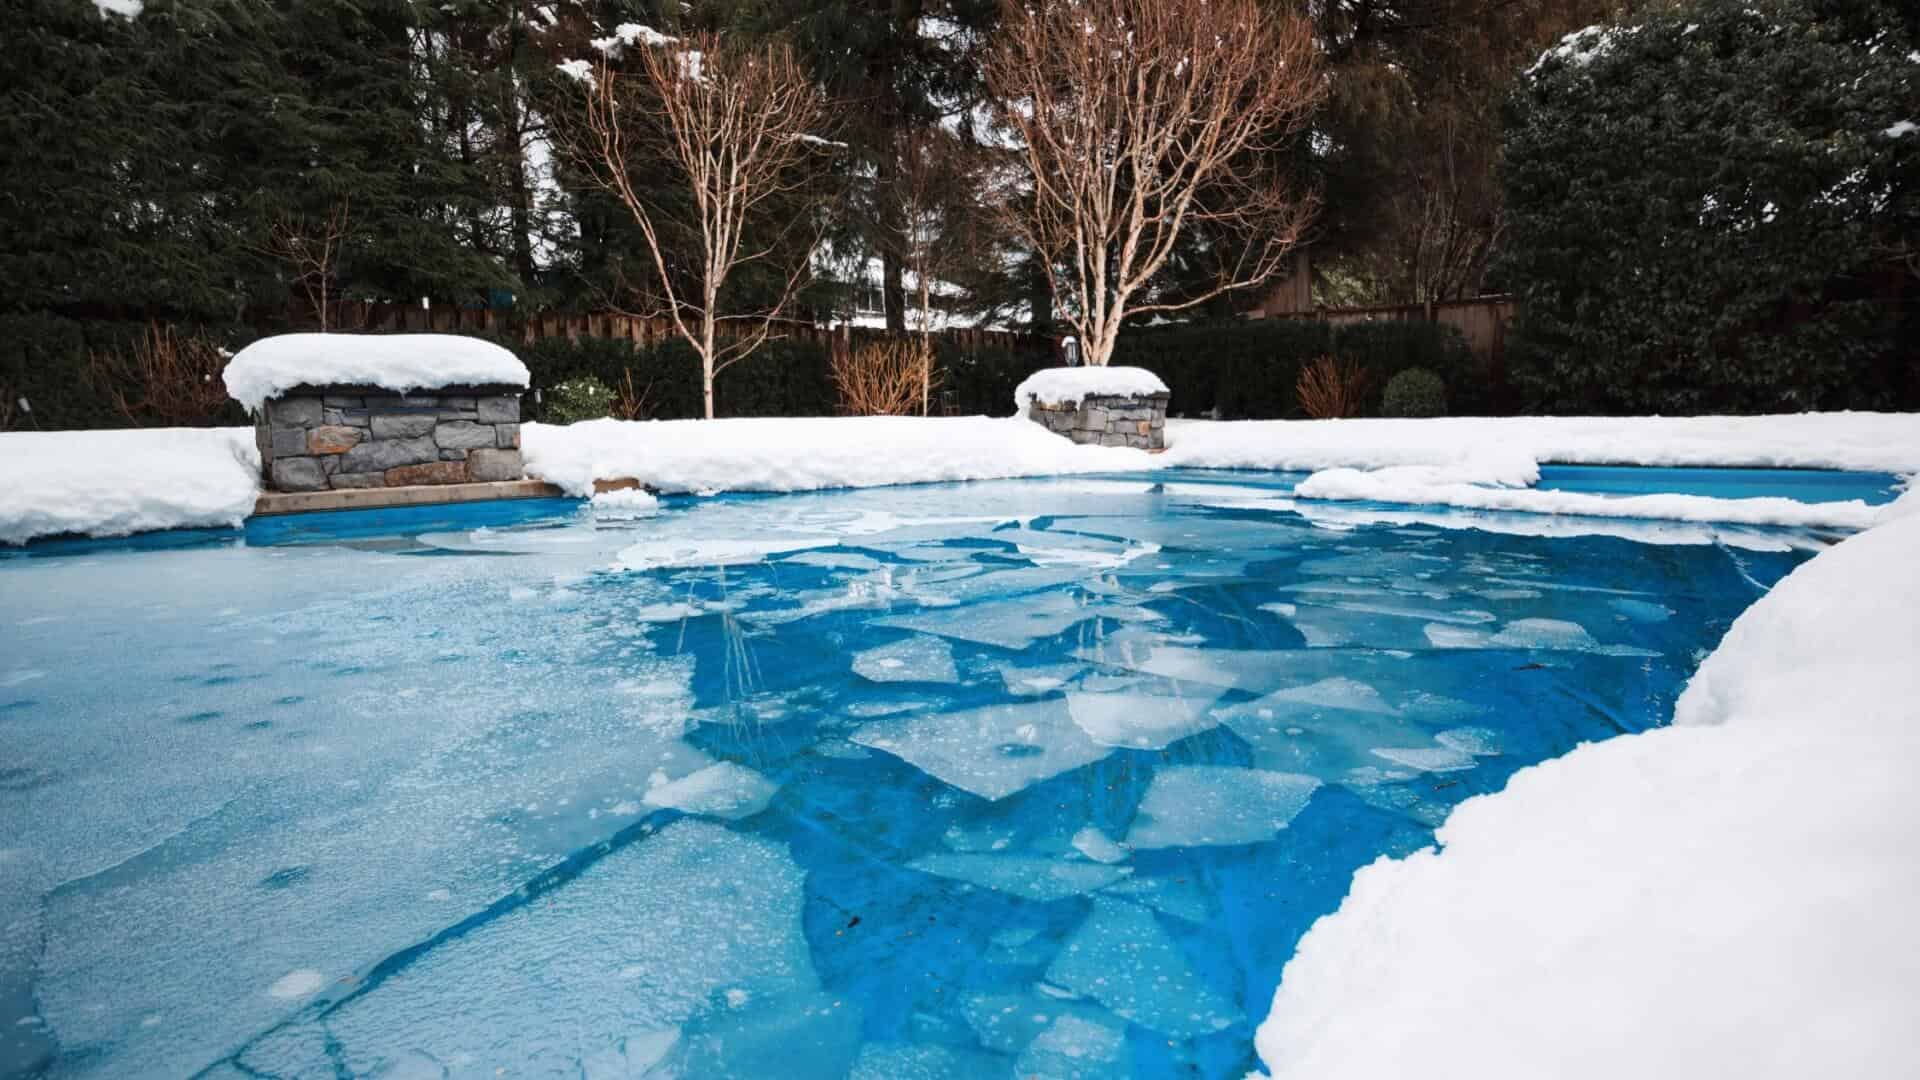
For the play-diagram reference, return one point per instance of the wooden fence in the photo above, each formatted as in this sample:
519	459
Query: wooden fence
1481	320
354	315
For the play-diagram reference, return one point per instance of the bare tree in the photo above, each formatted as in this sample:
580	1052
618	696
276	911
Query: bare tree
312	249
1127	111
738	124
936	178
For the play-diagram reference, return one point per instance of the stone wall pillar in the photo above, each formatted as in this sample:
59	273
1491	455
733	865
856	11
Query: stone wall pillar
316	438
1108	420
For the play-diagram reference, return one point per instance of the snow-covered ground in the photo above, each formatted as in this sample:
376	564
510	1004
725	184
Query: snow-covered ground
108	483
112	483
1728	896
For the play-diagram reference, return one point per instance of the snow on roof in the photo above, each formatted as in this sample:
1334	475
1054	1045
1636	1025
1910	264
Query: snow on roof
397	362
1727	896
1072	385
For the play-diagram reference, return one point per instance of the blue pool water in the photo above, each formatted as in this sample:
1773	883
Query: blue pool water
1034	778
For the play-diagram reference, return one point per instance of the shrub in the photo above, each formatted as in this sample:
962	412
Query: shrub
888	377
580	398
1415	392
1655	274
1328	388
50	361
164	378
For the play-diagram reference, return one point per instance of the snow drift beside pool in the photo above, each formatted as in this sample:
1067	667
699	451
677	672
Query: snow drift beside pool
807	454
115	483
1725	897
397	362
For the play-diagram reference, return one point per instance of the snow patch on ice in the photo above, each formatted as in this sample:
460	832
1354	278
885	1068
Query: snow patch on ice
297	984
723	790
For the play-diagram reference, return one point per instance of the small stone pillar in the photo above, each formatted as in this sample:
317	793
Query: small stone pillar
316	438
1107	419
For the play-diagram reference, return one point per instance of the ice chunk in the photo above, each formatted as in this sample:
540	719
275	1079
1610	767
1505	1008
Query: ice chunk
1030	877
1139	721
1077	1047
991	752
1122	958
1178	897
1038	680
795	1037
1478	741
833	559
1641	610
297	984
923	1061
1338	692
1445	636
724	790
1426	758
1098	846
917	659
1190	805
663	554
1557	634
624	504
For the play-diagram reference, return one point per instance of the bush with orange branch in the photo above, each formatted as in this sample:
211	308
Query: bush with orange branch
1329	388
884	378
163	379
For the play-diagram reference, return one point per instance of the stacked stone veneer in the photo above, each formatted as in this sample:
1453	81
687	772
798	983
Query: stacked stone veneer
1108	420
316	438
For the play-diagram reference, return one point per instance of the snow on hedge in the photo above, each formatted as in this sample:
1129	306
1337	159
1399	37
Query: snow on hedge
1072	385
397	362
1864	441
807	454
114	483
1730	896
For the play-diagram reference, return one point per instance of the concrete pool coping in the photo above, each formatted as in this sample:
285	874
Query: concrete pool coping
270	503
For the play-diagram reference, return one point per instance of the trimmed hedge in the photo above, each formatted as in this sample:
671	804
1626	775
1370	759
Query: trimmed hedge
1415	392
1246	370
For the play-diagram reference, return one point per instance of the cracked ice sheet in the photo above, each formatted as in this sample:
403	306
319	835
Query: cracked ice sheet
328	788
1122	958
991	752
1553	635
1217	805
1343	731
639	944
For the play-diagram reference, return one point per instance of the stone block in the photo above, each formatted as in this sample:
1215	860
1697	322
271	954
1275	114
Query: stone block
333	439
1111	439
1095	419
453	455
459	403
403	425
496	465
343	401
358	480
380	455
463	435
345	417
298	474
1144	427
433	472
288	442
506	436
295	412
499	410
458	414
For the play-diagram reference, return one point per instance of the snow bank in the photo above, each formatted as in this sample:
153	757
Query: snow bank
113	483
397	362
806	454
1725	897
1861	441
1425	486
1072	385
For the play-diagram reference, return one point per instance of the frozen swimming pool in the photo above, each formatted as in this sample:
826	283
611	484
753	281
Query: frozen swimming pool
1036	778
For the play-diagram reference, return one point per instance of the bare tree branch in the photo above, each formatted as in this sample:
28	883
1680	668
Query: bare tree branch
1128	110
739	124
